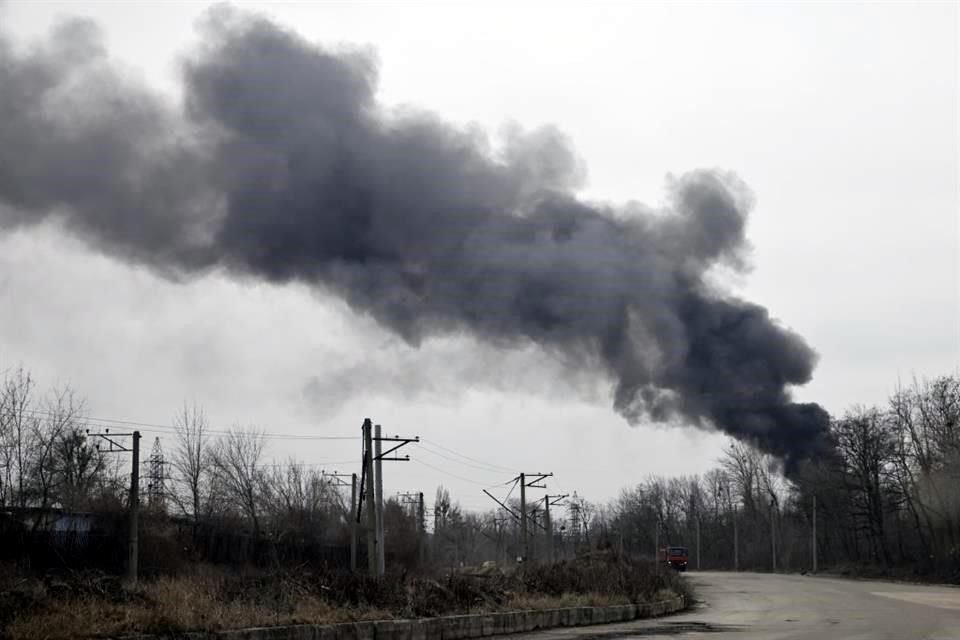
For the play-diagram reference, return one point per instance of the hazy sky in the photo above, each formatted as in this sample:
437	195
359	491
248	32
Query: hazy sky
844	120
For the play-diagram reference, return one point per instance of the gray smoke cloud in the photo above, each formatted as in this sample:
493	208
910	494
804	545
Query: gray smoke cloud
281	165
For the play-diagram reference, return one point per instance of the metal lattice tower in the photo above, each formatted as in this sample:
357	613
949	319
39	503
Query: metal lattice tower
573	509
156	479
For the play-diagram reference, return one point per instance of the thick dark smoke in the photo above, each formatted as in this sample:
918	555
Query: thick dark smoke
281	165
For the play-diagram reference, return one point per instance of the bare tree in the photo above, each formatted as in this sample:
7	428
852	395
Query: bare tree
60	418
81	468
18	419
302	500
190	460
236	460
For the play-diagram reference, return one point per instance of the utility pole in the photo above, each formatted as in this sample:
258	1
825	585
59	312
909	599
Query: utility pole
551	501
736	542
338	480
372	541
773	538
416	501
378	487
525	482
549	526
525	550
133	551
378	566
133	535
354	530
422	527
534	553
813	539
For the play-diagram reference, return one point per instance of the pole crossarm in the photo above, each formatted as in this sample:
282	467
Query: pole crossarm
115	446
338	479
533	478
555	501
401	441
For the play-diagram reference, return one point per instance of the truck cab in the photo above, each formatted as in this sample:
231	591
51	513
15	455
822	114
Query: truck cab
676	557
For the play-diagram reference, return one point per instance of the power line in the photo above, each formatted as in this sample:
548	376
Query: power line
154	427
449	450
459	462
454	475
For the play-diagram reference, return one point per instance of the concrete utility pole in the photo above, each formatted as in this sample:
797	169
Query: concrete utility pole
534	552
133	535
526	482
523	518
133	551
372	552
354	530
378	487
736	542
773	538
552	501
422	528
549	527
339	480
416	502
375	488
813	539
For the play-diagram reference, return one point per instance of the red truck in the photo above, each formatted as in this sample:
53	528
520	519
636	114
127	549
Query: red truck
676	557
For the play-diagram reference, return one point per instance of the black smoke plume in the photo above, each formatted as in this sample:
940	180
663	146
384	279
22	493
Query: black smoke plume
281	165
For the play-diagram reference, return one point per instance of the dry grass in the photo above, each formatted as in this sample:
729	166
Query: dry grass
169	605
213	600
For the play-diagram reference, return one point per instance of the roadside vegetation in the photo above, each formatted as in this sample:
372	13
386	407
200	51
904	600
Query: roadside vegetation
207	599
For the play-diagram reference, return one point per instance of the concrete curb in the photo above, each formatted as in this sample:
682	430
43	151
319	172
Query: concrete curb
464	627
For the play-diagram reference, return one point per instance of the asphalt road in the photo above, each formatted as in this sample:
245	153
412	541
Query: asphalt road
741	606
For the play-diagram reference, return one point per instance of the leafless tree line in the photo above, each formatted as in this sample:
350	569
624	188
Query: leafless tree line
46	459
888	497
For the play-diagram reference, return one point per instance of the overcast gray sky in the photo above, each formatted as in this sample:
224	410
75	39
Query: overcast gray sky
842	118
